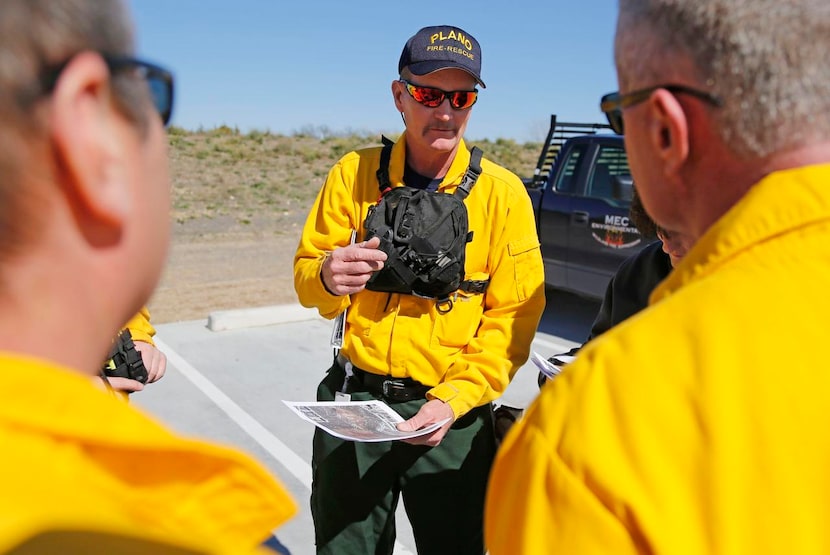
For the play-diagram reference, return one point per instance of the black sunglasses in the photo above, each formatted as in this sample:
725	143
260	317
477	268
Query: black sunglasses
432	97
159	80
612	104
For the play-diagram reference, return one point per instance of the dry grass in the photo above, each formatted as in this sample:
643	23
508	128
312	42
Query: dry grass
222	172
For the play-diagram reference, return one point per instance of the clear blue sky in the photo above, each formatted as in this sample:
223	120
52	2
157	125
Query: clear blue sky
288	65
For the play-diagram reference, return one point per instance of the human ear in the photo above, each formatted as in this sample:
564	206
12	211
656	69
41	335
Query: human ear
397	92
669	131
90	156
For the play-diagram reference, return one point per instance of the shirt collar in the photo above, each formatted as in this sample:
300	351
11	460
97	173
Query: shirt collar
453	177
781	202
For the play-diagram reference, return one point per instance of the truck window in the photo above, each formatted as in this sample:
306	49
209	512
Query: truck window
611	162
566	182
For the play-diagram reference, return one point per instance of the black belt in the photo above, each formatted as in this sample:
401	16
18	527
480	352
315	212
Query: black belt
397	390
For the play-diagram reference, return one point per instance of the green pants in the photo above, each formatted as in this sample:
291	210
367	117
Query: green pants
356	486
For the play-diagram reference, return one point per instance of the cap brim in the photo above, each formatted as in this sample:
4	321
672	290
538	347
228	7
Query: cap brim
425	68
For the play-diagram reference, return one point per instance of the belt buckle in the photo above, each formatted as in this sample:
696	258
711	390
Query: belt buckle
393	388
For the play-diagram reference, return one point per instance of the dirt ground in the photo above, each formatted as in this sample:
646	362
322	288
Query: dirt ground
215	264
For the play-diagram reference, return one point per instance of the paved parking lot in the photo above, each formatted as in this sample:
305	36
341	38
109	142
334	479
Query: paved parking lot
228	375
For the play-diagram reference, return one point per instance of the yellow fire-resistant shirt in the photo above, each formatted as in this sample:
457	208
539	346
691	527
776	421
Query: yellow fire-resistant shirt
469	354
700	425
76	457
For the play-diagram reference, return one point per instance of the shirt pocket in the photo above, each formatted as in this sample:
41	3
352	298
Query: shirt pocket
457	327
528	271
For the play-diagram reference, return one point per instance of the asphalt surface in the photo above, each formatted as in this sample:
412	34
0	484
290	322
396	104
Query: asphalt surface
228	375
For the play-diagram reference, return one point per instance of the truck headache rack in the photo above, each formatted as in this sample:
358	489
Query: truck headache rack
558	133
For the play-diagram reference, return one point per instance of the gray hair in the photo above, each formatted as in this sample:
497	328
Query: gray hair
36	36
765	58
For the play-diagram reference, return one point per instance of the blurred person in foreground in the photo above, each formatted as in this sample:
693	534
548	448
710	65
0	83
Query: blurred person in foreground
683	429
429	360
84	192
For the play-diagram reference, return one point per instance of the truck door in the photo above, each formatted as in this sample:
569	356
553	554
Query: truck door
601	235
556	209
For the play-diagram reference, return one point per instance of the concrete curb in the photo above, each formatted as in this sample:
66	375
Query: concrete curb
222	320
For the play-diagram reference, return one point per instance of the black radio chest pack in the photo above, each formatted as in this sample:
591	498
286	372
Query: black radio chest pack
424	235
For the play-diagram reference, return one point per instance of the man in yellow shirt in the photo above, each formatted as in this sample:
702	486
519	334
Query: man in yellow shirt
430	359
84	190
699	425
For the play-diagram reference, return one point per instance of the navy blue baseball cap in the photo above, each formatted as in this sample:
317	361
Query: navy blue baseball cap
442	47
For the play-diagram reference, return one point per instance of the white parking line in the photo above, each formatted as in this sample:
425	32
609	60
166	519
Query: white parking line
292	462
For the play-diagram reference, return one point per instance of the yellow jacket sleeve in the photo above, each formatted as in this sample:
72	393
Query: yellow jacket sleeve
140	327
328	226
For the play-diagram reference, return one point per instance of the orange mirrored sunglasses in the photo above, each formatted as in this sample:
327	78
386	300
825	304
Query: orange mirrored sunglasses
432	97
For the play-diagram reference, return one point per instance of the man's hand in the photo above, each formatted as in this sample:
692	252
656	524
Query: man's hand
432	412
154	360
347	269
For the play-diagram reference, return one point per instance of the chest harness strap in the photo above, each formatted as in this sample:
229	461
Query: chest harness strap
476	287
